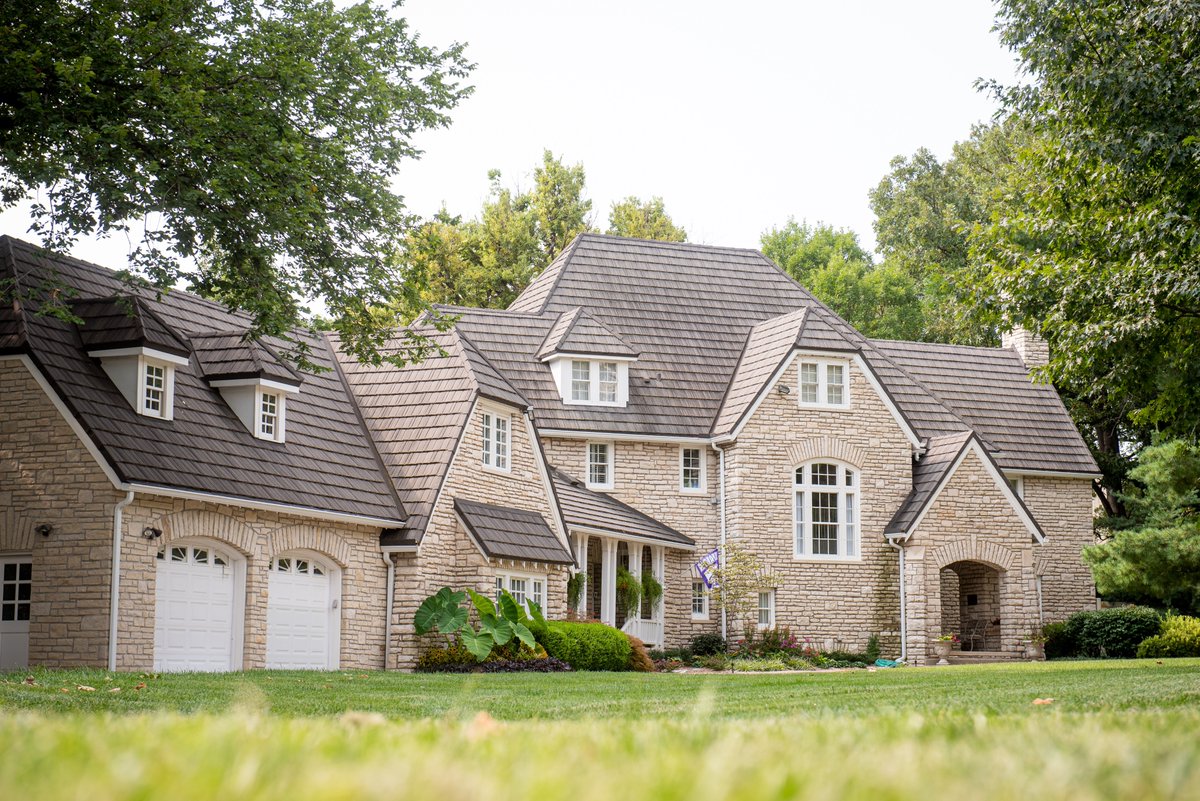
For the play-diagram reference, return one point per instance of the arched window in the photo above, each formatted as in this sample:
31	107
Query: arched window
826	509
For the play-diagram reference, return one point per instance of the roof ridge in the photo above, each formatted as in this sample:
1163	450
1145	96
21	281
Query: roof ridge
487	310
803	311
669	245
462	336
955	345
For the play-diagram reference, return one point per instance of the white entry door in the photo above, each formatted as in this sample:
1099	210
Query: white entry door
300	610
193	620
16	589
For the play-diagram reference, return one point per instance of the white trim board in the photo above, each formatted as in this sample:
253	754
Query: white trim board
611	436
619	535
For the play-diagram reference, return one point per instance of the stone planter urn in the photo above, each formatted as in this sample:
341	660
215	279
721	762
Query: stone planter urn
1035	651
941	649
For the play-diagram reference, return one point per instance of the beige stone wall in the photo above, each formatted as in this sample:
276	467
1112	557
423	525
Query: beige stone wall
970	521
836	603
47	476
646	475
258	537
449	557
1063	508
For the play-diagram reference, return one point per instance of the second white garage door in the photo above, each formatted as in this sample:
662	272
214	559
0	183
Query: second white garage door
301	612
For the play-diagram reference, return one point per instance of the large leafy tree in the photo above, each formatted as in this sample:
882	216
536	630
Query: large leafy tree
248	146
1100	248
640	219
880	301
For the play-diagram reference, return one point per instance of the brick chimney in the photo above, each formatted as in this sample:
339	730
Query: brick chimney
1033	350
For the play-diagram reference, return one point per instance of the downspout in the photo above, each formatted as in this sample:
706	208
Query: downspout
114	594
903	604
1037	581
391	597
721	482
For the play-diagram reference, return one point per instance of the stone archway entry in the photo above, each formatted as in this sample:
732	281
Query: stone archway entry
971	604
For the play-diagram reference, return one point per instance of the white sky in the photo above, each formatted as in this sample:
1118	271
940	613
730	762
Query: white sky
738	115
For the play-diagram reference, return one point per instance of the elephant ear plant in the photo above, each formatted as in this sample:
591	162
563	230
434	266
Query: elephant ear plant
444	612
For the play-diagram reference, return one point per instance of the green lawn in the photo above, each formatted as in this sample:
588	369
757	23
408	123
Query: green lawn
1119	730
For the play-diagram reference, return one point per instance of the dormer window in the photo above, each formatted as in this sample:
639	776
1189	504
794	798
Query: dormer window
251	378
824	383
592	381
154	389
145	376
268	416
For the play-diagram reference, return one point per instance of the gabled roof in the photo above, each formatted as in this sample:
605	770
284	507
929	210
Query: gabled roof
935	470
1024	424
502	532
598	511
578	332
231	355
327	463
123	321
767	347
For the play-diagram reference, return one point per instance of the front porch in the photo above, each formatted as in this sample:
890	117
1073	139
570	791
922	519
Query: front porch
603	560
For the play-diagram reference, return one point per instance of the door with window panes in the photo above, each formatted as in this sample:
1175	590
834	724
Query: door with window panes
16	592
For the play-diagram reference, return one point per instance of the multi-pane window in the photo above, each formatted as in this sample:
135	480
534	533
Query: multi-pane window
496	440
154	390
608	382
699	600
523	589
268	415
766	609
826	511
16	586
599	464
691	469
581	381
297	565
516	588
823	383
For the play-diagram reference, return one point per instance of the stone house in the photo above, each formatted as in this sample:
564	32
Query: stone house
177	496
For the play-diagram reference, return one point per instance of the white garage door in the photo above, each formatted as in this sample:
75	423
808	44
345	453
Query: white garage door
300	600
193	623
16	586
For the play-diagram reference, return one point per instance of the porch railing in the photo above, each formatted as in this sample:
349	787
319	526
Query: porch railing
648	631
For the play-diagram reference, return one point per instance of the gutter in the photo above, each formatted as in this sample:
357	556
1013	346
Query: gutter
114	593
903	604
721	473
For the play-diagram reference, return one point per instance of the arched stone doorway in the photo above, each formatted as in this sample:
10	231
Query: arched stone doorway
972	604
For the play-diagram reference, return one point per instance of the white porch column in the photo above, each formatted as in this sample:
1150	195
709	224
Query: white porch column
658	556
608	586
635	567
581	542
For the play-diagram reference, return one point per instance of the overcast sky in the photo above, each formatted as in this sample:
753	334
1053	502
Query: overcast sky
738	114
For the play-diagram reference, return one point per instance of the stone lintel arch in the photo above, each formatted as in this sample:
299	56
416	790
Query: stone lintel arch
16	531
208	524
983	551
826	448
310	538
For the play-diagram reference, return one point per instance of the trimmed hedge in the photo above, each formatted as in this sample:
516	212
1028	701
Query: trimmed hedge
707	645
1115	633
1179	636
585	646
1059	643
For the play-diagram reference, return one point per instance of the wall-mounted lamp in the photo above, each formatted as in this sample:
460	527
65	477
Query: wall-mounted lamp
783	389
44	529
151	533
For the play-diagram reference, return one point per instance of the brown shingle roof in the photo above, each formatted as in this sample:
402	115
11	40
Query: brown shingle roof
229	355
578	332
123	321
327	462
588	509
506	533
767	346
928	474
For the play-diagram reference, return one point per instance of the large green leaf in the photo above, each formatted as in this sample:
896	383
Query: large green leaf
480	645
451	618
482	603
426	617
500	629
522	633
510	608
535	612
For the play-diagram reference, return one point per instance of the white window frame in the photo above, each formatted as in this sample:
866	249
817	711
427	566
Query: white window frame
491	439
562	367
535	586
703	468
849	531
587	464
167	410
823	365
702	597
1017	484
769	595
260	399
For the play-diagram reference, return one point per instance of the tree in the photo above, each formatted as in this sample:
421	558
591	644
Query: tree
1101	250
558	205
639	219
739	577
255	140
1153	554
880	302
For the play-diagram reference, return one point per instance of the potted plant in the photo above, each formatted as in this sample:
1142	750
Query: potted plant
575	585
629	591
1034	646
942	645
